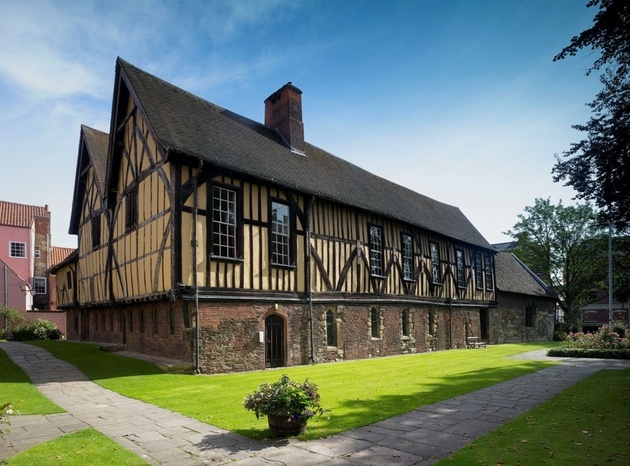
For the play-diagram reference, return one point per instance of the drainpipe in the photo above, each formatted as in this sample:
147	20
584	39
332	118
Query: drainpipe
450	323
194	241
6	297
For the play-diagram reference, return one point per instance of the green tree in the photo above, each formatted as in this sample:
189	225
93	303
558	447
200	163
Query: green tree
9	316
566	248
598	166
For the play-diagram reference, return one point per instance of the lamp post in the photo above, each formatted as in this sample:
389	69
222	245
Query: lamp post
610	278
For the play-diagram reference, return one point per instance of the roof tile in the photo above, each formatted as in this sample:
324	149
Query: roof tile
20	215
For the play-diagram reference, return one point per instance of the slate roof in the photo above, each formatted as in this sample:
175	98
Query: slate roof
20	215
97	142
515	277
92	151
193	127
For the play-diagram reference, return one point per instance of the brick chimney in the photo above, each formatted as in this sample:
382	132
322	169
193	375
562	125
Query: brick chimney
283	113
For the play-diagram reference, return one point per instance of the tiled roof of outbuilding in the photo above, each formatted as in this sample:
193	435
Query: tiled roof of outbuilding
59	254
515	277
20	215
189	126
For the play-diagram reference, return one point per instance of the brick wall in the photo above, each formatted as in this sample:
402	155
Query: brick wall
230	332
152	328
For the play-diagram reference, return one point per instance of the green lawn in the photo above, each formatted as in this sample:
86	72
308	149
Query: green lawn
77	449
16	388
355	393
585	425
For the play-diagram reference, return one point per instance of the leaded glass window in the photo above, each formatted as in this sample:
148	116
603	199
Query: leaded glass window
461	279
281	234
407	257
376	250
223	222
435	264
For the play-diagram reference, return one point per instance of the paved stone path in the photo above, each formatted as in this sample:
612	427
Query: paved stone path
159	436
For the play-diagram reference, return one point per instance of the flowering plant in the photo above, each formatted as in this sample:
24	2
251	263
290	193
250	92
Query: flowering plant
602	339
285	398
5	411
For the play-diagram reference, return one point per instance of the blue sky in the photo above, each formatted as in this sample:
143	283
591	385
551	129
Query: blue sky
458	100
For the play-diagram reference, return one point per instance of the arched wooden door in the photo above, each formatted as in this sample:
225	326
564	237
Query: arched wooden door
274	341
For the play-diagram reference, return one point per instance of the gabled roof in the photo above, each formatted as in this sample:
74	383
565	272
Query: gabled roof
72	257
513	276
20	215
23	280
59	254
186	125
92	151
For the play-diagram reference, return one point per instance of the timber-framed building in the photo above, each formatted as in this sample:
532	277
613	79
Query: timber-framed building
234	245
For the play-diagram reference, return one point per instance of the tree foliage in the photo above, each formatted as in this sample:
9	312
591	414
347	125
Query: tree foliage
566	248
598	166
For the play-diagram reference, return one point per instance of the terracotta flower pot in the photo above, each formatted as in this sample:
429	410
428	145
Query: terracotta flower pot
284	426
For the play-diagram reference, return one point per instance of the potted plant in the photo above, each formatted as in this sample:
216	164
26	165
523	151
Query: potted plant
288	405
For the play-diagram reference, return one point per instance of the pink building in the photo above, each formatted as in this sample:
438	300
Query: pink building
26	255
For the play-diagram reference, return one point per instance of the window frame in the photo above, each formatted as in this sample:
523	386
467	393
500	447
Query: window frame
131	209
460	268
375	323
405	322
436	276
530	314
331	329
289	236
431	327
43	284
96	231
17	247
376	251
407	257
236	226
488	272
479	271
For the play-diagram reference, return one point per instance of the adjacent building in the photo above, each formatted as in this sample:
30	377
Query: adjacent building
526	306
26	255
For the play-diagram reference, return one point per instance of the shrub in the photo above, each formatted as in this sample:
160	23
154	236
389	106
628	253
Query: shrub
5	411
602	339
38	330
589	353
600	344
285	398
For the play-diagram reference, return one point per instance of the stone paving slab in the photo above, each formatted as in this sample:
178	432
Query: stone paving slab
162	437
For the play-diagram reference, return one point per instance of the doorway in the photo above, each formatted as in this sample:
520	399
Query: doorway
483	324
274	341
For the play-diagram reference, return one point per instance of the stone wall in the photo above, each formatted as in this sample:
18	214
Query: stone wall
160	328
230	335
508	320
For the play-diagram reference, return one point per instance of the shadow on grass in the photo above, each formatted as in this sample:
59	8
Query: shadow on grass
96	363
360	412
370	404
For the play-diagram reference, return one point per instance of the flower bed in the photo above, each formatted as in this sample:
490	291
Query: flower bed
601	344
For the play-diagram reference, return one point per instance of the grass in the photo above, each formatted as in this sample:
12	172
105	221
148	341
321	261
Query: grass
77	449
16	388
585	425
356	393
